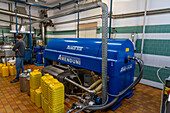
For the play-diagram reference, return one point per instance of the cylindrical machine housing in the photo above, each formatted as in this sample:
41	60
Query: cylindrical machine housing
87	53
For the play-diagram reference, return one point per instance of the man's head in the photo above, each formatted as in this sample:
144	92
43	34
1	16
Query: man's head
19	37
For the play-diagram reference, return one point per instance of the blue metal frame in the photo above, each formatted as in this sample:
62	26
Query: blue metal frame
110	25
30	39
58	6
25	37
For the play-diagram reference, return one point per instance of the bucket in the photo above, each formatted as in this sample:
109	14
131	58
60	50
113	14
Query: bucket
28	86
23	82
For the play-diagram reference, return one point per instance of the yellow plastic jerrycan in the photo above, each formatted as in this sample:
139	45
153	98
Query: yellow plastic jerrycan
15	71
12	70
46	108
32	95
8	64
56	94
5	71
1	65
58	109
35	77
46	85
43	79
51	81
38	97
42	102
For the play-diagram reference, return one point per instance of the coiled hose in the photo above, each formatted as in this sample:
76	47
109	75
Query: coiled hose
117	97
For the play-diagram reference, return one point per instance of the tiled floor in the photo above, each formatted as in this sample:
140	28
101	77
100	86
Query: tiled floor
145	99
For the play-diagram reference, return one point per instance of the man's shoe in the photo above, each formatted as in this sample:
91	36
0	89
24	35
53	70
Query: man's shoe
15	80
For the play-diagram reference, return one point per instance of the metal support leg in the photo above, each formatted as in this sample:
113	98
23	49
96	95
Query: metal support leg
110	24
30	38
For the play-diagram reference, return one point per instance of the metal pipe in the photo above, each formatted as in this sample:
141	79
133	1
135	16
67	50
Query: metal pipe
78	15
43	33
8	21
110	24
29	3
144	24
127	15
9	8
43	6
78	85
16	18
104	49
2	11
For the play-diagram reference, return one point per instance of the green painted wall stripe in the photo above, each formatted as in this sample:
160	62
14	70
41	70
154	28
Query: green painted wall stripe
149	29
139	29
149	73
136	29
70	32
158	29
154	47
5	30
128	29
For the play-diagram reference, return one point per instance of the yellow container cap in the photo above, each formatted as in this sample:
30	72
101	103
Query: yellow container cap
38	91
56	86
48	81
35	70
49	77
55	81
35	73
43	77
46	74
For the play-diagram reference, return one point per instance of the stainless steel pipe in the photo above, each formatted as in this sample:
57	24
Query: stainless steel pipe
19	15
80	86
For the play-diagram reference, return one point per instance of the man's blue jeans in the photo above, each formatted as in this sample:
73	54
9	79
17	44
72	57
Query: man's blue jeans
19	63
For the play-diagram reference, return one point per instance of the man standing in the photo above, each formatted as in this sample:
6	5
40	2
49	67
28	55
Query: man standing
19	49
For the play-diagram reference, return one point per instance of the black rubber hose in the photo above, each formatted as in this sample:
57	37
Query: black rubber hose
100	107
